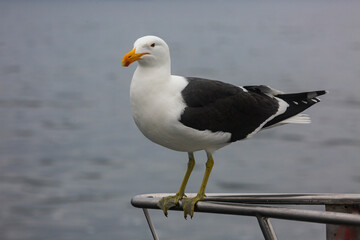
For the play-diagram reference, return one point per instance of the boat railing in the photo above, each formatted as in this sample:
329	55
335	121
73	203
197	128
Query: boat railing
341	214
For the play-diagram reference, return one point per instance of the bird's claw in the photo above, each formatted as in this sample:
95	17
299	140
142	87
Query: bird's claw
189	204
168	202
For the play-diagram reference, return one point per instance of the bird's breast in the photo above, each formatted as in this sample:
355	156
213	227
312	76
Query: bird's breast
156	110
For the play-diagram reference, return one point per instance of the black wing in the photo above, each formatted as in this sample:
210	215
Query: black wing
217	106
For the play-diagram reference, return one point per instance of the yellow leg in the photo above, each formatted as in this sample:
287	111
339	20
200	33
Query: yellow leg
171	201
189	203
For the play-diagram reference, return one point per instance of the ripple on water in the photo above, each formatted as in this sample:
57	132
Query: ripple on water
236	186
336	142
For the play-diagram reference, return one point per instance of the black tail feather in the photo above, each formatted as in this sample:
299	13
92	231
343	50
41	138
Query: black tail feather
298	102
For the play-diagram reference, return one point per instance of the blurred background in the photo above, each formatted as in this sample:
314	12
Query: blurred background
71	157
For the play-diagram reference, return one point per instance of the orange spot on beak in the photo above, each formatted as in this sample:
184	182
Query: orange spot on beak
131	57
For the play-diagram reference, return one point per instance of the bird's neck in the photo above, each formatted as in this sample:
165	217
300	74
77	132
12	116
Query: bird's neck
146	85
151	75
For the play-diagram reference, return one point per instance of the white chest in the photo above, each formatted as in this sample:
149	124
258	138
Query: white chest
156	107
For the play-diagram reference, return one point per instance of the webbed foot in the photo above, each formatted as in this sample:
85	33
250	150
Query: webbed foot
189	204
168	202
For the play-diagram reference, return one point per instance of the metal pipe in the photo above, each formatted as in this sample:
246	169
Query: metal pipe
151	225
280	213
273	198
150	201
266	228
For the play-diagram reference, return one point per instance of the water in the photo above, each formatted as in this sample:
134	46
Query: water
71	157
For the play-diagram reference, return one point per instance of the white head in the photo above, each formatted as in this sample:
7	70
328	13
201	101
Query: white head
148	51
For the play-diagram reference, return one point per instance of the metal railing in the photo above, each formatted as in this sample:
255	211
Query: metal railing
341	215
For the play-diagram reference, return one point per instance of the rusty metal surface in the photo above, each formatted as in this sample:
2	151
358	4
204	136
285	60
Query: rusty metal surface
343	232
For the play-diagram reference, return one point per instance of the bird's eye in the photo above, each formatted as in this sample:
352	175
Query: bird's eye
152	45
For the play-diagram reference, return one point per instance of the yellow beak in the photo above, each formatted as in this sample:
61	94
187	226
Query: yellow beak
131	57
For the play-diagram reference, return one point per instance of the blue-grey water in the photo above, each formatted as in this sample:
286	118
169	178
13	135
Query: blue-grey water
71	157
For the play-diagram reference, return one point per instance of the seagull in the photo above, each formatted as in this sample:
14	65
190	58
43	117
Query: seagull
190	114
